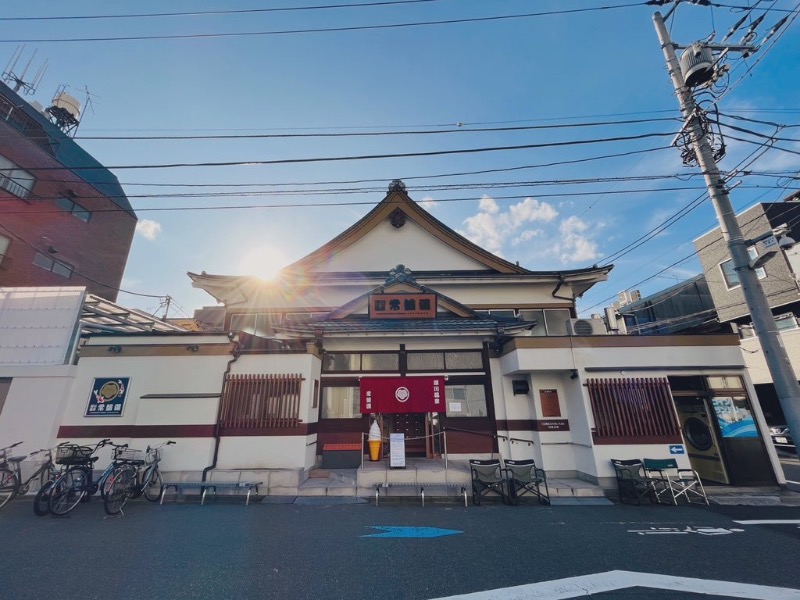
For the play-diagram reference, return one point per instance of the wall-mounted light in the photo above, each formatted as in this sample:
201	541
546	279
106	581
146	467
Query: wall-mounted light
574	374
520	386
193	348
114	349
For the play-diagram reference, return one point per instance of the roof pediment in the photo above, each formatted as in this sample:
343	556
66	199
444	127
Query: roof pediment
398	229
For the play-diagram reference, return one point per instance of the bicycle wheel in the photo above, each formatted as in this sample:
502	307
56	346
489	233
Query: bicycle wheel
153	484
41	503
8	486
117	489
67	491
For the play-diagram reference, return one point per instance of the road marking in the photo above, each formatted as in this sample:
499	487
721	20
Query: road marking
770	522
389	531
587	585
689	529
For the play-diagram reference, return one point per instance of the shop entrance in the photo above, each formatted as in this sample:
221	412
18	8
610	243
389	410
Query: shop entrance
419	430
702	443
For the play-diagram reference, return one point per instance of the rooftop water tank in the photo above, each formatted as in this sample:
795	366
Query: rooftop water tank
69	103
697	65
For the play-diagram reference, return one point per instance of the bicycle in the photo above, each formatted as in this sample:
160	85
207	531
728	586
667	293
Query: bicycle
129	481
77	480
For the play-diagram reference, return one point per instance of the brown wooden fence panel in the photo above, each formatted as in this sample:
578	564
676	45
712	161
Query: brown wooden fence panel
261	402
635	410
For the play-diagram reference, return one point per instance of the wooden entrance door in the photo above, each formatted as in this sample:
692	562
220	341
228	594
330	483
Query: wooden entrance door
413	426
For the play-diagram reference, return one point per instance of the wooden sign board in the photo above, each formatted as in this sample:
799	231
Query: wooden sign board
402	306
550	405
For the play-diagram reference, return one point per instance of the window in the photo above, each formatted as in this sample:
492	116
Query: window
366	361
732	277
76	209
261	401
445	361
15	180
5	386
787	321
4	243
550	321
47	263
465	400
632	411
259	324
341	402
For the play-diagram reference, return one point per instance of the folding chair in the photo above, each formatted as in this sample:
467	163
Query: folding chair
525	478
487	478
633	483
680	483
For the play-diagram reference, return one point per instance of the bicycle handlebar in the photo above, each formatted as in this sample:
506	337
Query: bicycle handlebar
11	446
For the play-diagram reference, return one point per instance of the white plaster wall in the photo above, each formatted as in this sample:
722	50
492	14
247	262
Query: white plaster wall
754	355
287	452
191	374
33	407
385	246
187	454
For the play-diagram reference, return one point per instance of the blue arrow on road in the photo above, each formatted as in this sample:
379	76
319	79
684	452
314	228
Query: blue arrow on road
389	531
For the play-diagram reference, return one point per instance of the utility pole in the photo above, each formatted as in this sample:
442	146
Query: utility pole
783	377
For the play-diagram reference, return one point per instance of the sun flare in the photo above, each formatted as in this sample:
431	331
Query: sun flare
263	262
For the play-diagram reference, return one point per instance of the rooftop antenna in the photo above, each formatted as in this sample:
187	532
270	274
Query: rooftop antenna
11	76
65	111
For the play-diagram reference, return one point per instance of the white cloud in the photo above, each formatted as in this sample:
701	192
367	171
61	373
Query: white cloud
526	236
530	210
576	245
491	227
488	205
429	204
148	229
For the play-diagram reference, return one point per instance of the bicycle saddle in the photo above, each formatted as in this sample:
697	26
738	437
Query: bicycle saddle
16	459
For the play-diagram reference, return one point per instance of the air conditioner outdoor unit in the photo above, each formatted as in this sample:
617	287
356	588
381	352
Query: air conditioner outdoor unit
586	327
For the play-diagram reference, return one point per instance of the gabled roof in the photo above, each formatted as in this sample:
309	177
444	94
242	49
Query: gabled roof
398	205
400	282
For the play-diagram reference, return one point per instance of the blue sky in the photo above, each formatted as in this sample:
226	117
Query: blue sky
524	71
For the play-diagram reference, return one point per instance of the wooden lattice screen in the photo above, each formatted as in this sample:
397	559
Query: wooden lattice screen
261	402
633	411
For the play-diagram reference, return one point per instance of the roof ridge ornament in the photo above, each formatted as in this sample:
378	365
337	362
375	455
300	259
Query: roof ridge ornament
397	185
400	274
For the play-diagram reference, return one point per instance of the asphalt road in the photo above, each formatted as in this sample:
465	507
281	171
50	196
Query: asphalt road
224	550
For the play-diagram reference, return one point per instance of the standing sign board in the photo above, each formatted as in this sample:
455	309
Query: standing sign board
107	398
397	449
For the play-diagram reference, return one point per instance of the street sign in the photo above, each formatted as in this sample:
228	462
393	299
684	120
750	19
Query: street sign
677	449
389	531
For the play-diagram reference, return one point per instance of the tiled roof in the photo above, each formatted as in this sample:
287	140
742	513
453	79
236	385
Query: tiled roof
450	325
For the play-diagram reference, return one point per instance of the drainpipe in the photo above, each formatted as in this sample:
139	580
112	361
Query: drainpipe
236	353
561	281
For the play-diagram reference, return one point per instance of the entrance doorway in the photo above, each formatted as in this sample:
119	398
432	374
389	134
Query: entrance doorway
702	444
419	430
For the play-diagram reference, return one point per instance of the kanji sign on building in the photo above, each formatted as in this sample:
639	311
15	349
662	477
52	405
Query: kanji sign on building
402	394
402	306
107	398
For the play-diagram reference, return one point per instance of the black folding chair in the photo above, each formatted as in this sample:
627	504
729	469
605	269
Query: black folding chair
677	483
525	478
633	484
487	478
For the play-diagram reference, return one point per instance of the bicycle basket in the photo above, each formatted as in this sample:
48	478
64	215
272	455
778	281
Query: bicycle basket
73	455
128	455
153	455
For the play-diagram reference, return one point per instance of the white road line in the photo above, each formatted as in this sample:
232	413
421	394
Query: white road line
770	522
587	585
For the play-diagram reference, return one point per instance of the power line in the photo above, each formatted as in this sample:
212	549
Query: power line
276	32
204	13
362	157
461	130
